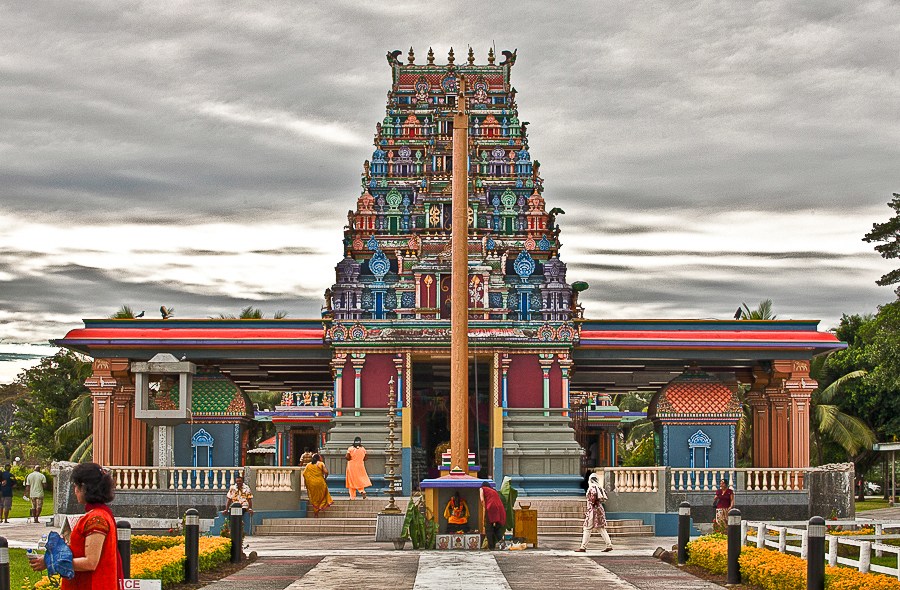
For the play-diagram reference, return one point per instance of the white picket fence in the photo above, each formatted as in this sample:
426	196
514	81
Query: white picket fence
776	535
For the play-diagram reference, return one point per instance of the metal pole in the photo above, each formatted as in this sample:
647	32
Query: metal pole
4	564
684	531
192	546
123	542
815	556
734	546
237	526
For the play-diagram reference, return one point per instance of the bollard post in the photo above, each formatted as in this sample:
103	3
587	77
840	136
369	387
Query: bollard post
237	527
123	542
734	546
4	564
684	531
192	546
815	556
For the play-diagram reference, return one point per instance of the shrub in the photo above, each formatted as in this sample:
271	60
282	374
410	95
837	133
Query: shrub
141	543
710	553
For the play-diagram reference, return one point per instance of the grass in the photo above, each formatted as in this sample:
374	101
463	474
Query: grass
871	504
21	508
20	572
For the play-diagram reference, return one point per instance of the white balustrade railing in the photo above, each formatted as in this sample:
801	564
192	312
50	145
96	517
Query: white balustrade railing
175	478
753	479
699	479
276	479
635	479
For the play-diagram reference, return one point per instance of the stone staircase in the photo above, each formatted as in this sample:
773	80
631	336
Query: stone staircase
556	517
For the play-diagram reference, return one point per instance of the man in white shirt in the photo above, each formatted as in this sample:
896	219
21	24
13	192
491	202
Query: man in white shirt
34	489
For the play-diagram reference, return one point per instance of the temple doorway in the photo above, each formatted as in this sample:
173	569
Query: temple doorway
306	438
431	416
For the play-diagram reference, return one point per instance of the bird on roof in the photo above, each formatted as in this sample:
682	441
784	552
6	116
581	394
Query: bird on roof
140	315
737	314
166	312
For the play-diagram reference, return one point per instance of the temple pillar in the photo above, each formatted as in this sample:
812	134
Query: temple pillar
505	361
759	407
799	387
779	412
359	360
565	364
116	440
337	370
399	362
546	361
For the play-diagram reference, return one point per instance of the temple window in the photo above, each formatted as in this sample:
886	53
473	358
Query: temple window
202	444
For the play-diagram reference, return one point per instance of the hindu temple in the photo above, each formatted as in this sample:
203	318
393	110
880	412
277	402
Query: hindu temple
542	378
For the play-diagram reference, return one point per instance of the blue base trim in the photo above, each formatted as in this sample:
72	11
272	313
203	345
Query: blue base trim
547	485
665	524
406	469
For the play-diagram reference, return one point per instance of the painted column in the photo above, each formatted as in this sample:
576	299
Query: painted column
800	387
779	410
337	367
505	361
565	363
759	408
399	360
459	293
546	361
358	359
497	413
406	430
106	383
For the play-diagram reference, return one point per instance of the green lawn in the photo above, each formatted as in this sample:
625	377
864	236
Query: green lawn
871	505
21	508
20	572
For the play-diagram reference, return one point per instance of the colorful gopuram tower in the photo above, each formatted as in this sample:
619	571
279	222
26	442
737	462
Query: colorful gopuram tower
388	313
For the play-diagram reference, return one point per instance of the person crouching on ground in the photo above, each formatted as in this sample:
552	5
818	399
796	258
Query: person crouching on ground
93	542
594	515
493	514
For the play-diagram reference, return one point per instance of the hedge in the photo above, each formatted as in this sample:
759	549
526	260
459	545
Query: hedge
779	571
167	563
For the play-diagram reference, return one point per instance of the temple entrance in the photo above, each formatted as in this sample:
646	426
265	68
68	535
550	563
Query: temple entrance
306	438
431	416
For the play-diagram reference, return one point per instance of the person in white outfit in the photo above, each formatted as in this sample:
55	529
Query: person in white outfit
594	515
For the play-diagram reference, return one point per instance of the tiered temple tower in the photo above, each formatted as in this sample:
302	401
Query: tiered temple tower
392	290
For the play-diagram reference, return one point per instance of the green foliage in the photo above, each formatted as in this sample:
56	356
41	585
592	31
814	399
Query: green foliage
141	543
52	387
417	528
251	313
10	395
827	421
887	235
644	454
20	573
124	313
762	312
508	496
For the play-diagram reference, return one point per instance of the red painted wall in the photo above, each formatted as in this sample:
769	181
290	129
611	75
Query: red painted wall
379	368
525	382
348	377
555	386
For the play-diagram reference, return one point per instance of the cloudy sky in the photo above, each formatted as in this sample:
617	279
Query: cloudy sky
202	155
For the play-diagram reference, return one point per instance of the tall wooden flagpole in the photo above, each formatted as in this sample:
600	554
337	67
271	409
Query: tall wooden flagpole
459	292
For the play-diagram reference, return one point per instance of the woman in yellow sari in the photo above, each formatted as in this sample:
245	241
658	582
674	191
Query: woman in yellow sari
314	475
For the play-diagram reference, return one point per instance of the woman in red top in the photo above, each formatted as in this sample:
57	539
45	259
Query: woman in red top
724	502
494	514
93	541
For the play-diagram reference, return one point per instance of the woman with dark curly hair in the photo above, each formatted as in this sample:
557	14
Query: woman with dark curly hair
93	542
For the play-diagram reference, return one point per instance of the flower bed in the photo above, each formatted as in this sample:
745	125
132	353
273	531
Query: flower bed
167	563
141	543
779	571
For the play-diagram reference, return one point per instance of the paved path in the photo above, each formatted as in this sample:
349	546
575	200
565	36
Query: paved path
462	570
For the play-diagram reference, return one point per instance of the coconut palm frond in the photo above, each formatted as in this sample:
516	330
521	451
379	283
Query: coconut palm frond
826	396
84	452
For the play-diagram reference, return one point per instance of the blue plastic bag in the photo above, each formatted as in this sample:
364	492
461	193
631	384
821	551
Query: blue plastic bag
58	557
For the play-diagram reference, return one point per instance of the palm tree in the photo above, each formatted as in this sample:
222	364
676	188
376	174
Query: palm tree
250	313
744	431
79	427
124	313
763	312
828	422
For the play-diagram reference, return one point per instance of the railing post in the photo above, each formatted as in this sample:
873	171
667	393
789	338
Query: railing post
865	556
192	546
734	546
684	531
4	564
815	558
123	541
879	532
761	535
237	526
